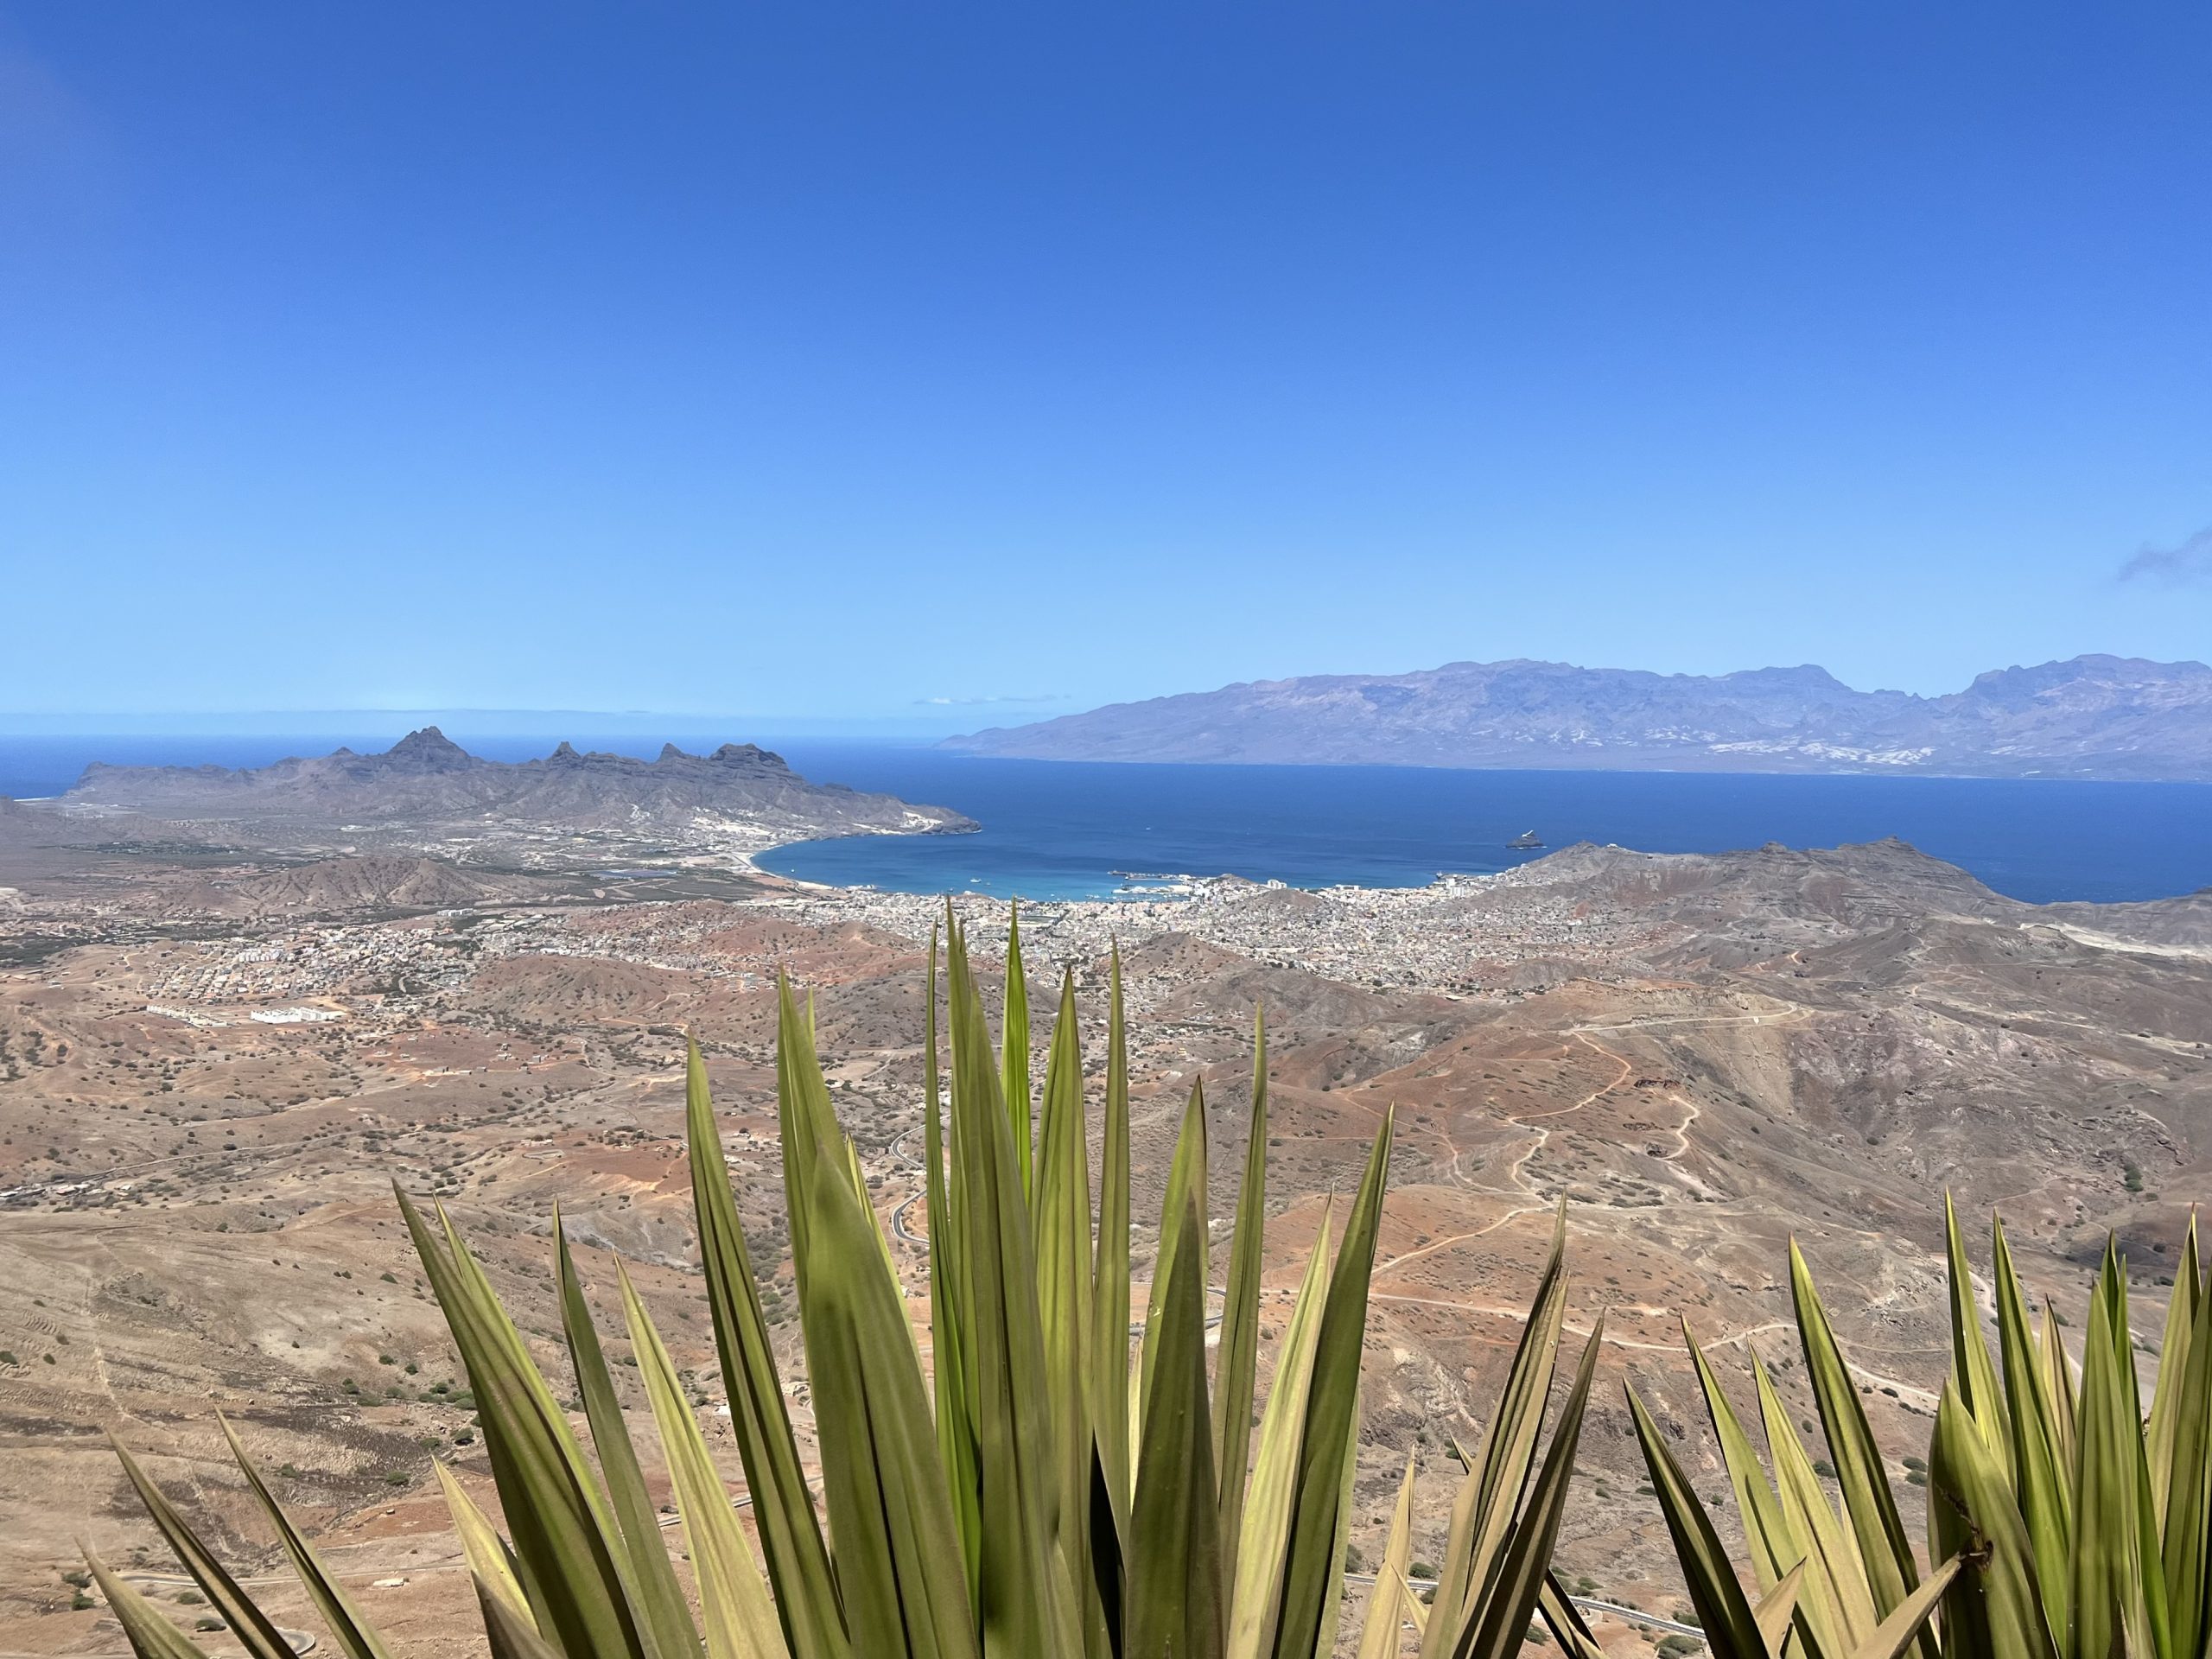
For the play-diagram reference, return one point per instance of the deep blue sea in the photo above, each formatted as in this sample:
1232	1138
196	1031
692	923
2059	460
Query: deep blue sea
1057	830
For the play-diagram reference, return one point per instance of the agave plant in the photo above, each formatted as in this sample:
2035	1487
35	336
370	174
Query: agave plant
1039	1489
1496	1567
1831	1585
2068	1525
2090	1524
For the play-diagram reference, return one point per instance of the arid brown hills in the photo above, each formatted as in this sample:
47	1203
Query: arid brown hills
2093	716
337	887
1701	1055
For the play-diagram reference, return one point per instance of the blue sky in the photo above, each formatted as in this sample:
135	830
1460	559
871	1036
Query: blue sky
962	364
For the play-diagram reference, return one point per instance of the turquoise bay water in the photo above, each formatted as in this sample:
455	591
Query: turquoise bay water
1061	829
1058	829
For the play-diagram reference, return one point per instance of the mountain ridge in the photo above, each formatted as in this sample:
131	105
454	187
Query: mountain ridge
427	777
2090	716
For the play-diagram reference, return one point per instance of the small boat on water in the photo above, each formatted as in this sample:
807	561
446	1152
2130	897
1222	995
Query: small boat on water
1526	841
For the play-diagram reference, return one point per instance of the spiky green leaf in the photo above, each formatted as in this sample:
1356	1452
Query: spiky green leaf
1238	1366
1313	1562
739	1618
1885	1557
1175	1599
790	1536
349	1628
660	1597
150	1635
898	1564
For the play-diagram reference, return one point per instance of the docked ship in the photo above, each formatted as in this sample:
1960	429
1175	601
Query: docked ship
1526	841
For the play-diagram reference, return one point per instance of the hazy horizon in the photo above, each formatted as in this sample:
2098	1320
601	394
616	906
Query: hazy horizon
923	724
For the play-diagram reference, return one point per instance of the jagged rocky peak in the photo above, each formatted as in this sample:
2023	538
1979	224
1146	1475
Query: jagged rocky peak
429	748
750	754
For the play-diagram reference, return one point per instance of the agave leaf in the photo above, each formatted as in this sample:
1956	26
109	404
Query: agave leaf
1994	1610
1456	1589
485	1553
1978	1389
355	1637
1509	1596
1311	1566
1175	1587
1109	1578
856	1182
1568	1627
1834	1607
1416	1610
1237	1369
1483	1511
2059	1382
1891	1573
1380	1637
2115	1599
150	1635
1013	1072
1062	1218
1774	1543
1186	1183
740	1619
507	1628
1899	1630
253	1628
568	1551
2043	1479
956	1432
1332	1607
2168	1392
805	1124
1256	1603
1731	1629
2188	1535
899	1563
1774	1610
1109	1292
639	1524
1027	1604
783	1509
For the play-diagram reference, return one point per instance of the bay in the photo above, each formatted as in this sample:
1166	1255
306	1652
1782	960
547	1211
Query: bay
1063	829
1074	830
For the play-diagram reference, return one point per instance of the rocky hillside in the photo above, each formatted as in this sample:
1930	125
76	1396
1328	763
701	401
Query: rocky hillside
1703	1057
337	886
2090	717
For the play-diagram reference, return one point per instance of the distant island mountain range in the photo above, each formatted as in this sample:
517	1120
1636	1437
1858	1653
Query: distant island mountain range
2093	716
426	789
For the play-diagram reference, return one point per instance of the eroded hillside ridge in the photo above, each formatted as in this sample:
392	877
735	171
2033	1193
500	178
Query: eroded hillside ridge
2093	717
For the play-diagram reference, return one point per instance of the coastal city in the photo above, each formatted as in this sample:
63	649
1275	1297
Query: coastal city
1456	938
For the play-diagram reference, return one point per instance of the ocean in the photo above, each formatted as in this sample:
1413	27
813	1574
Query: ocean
1072	830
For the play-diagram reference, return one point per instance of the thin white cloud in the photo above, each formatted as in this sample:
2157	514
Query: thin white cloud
973	702
2189	560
